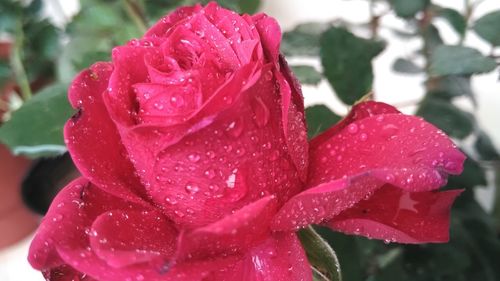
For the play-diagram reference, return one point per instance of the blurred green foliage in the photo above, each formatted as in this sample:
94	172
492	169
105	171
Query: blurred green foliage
47	57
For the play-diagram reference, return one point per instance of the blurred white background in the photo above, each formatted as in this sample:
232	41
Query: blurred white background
389	87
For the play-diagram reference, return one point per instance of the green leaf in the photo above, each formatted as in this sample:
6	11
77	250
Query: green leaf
458	60
406	66
447	117
347	63
487	27
456	20
408	8
448	87
485	147
36	128
432	38
303	40
319	118
307	74
320	254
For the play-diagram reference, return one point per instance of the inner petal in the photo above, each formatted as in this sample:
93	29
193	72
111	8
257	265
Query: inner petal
168	104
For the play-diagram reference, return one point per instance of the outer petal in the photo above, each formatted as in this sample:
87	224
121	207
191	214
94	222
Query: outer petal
68	220
279	258
93	140
63	241
390	142
395	215
161	28
400	150
123	238
233	234
359	111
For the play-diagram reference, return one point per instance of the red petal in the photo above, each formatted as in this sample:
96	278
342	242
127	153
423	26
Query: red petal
68	221
395	215
62	241
168	104
279	258
123	238
231	235
270	36
402	150
93	140
130	68
359	111
181	14
404	145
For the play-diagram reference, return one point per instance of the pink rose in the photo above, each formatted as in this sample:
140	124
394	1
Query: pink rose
196	166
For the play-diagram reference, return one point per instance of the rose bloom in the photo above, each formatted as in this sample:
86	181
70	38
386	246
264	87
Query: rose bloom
196	165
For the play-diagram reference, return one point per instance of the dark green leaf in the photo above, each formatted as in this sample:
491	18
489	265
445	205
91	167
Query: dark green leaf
307	74
347	63
319	118
451	86
432	39
447	117
487	27
303	40
408	8
36	128
249	6
456	20
459	60
406	66
485	147
320	254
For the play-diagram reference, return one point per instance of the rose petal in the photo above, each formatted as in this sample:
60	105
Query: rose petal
216	40
270	36
167	104
68	221
130	68
403	151
396	215
404	144
280	258
359	111
231	235
63	240
93	140
122	237
181	14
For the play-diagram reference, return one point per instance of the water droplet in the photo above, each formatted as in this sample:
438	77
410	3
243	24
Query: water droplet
235	128
261	112
390	130
192	188
209	173
363	137
194	157
57	218
158	106
171	200
352	128
210	154
176	101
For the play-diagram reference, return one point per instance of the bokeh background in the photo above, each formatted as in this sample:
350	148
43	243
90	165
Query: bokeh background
435	58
